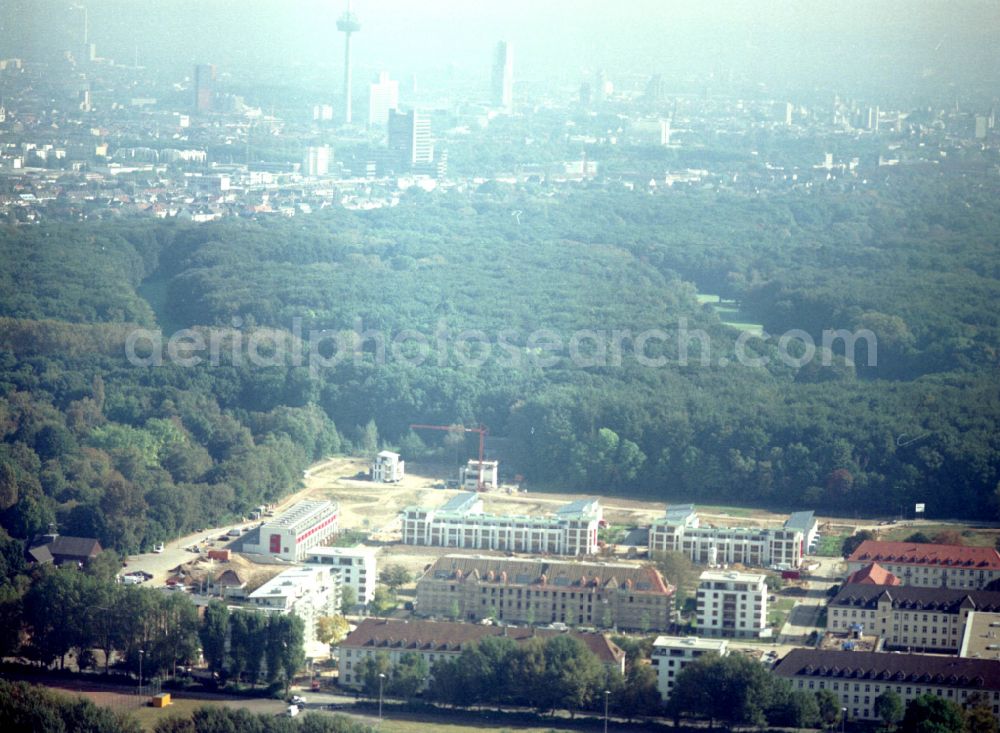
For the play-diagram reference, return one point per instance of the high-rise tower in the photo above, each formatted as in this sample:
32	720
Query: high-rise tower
503	76
204	87
347	25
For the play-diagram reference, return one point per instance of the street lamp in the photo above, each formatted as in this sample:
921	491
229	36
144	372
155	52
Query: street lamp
141	653
607	694
843	719
381	679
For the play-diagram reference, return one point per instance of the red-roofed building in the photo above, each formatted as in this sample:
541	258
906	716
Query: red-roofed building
929	565
872	574
437	640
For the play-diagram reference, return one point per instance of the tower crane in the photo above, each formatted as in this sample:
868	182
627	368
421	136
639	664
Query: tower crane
461	428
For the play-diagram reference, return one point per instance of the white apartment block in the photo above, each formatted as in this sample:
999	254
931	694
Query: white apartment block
732	604
354	566
306	591
858	678
387	468
469	475
461	523
930	565
671	654
680	530
304	526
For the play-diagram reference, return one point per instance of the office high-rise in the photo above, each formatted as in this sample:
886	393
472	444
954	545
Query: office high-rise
204	87
503	76
410	138
383	95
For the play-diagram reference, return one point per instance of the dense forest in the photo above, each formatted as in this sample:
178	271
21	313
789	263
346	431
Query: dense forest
134	453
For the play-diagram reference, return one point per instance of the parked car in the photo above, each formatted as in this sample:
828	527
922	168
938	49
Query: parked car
298	700
158	547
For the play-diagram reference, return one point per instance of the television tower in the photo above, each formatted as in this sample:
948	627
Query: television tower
348	24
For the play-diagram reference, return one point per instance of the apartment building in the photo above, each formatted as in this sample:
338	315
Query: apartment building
732	604
289	536
858	678
546	591
306	591
930	565
387	468
909	617
437	640
355	567
671	654
680	530
462	523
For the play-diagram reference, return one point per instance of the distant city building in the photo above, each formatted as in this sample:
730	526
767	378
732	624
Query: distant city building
383	95
671	654
533	591
317	160
204	87
441	640
981	126
306	591
680	530
858	678
732	604
304	526
930	565
387	468
503	76
656	89
322	112
409	138
355	566
461	523
348	24
665	132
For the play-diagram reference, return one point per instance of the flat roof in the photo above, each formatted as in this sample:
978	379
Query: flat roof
732	575
460	502
300	513
981	639
691	642
356	551
284	582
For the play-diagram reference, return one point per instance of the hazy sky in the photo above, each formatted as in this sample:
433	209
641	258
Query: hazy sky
773	41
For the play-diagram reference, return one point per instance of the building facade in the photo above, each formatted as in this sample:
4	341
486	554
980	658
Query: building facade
503	76
909	617
732	604
409	137
355	567
680	530
383	95
387	468
438	640
306	591
930	565
305	525
469	474
858	678
671	654
461	523
535	591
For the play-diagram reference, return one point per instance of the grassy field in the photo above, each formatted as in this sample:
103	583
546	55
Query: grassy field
969	536
777	612
829	545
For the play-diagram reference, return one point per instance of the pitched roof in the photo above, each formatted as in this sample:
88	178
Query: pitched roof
940	671
947	600
873	574
915	553
451	636
74	547
41	554
528	571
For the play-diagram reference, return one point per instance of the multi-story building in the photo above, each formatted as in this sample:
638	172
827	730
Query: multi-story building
461	523
438	640
306	591
476	471
671	654
387	468
930	565
354	566
546	591
981	638
204	87
680	530
409	137
909	617
289	536
732	604
503	76
858	678
383	95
